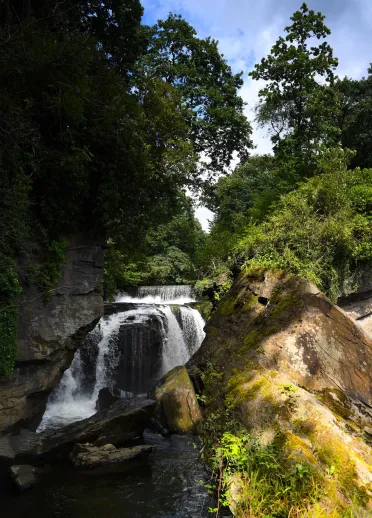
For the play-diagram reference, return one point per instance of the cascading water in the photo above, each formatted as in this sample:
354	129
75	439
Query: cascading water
158	295
130	349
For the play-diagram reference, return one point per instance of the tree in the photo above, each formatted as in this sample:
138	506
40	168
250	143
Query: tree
321	231
207	88
236	197
297	101
355	118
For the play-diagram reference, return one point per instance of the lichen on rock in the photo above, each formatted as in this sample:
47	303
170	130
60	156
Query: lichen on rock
293	376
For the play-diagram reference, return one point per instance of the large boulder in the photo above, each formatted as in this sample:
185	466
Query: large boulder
177	407
296	373
124	421
50	332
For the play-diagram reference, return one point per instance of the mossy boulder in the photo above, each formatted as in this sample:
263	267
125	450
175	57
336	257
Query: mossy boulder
284	366
177	407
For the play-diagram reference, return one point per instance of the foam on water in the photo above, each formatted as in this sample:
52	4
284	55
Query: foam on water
180	338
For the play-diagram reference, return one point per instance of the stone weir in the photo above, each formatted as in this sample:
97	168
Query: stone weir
49	333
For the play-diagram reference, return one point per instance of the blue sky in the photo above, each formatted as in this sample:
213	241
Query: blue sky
246	30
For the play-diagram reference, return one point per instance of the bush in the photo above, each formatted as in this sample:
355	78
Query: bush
322	231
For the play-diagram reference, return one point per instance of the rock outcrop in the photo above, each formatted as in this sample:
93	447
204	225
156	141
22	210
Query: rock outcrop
49	333
86	456
124	421
296	372
177	408
358	304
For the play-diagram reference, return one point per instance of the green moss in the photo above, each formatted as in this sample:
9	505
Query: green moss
250	302
255	272
336	401
226	306
283	302
252	340
205	309
334	454
247	391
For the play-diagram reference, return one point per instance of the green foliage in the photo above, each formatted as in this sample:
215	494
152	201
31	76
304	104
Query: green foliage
48	273
355	119
236	197
322	231
168	254
299	109
268	487
9	291
207	88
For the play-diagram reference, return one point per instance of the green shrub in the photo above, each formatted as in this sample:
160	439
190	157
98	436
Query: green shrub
322	231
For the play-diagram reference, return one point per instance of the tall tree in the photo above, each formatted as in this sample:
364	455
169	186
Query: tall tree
207	87
297	102
355	119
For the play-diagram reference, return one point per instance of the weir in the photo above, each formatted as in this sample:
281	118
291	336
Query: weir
130	350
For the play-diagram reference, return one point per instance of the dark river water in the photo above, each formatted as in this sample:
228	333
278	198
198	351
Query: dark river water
167	486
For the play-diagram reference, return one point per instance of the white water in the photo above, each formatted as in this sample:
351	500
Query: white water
159	295
69	403
175	350
192	328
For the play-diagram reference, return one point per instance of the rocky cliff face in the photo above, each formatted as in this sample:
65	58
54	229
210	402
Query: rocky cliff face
296	372
48	334
358	304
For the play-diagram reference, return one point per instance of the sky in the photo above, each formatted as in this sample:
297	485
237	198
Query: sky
247	29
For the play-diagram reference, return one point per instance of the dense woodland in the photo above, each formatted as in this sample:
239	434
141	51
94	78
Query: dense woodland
119	128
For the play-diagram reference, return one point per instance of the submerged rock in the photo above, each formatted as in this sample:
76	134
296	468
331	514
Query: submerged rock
88	456
177	407
295	372
24	476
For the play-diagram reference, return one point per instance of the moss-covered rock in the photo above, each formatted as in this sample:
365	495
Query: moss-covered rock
177	408
284	365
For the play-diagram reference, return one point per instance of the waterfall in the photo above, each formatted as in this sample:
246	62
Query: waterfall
175	350
158	295
129	349
192	324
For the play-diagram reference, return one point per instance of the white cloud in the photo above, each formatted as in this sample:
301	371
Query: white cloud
247	30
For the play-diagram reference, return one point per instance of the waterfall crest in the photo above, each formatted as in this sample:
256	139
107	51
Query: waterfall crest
129	349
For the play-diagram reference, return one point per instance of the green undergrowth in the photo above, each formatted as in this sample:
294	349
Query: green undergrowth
9	291
288	467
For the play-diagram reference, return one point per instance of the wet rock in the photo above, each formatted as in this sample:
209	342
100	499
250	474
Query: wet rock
24	476
177	407
7	456
87	456
106	397
50	332
125	420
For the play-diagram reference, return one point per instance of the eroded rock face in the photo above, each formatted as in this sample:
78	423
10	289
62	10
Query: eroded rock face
177	408
295	371
124	421
286	324
49	333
